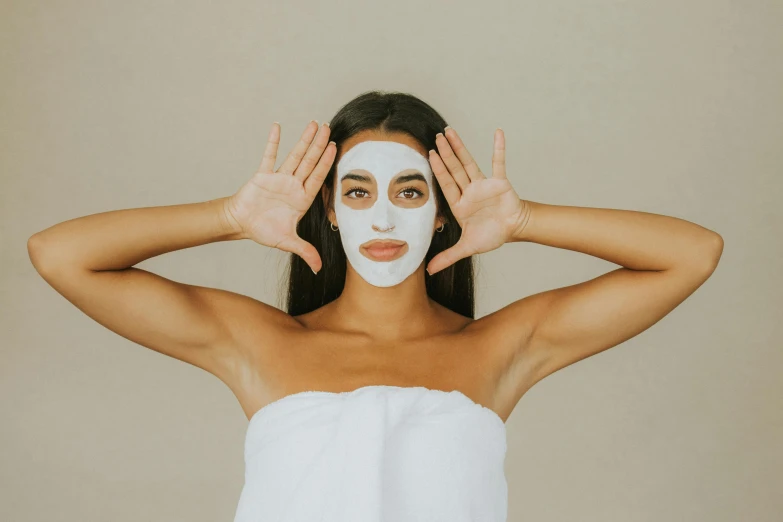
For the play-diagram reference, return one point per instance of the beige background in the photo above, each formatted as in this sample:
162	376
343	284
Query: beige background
672	107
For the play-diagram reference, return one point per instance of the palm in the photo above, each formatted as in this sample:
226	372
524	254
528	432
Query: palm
487	209
487	212
268	207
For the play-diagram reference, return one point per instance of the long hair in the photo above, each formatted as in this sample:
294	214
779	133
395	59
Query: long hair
386	112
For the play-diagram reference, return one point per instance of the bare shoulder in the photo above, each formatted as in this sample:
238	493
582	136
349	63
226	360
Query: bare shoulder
505	336
506	331
451	321
253	327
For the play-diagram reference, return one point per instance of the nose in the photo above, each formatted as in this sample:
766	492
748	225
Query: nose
381	218
377	229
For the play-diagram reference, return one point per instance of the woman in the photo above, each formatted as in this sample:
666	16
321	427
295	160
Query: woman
378	395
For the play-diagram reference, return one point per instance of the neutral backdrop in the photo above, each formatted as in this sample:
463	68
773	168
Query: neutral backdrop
671	107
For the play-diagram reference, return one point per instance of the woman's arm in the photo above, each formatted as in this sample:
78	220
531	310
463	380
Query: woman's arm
89	260
664	260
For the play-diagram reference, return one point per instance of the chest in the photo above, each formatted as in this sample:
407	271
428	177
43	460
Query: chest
337	363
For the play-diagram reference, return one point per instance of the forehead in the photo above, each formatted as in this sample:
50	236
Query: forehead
383	158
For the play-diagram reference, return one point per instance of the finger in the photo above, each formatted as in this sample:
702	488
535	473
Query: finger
452	162
308	253
313	153
499	155
270	152
461	151
447	184
298	152
448	257
316	178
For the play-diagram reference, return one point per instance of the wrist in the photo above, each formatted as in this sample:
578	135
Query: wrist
229	226
520	231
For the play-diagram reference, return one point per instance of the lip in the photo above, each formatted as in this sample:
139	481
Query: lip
383	249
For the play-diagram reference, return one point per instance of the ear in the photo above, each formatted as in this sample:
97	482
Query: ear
439	220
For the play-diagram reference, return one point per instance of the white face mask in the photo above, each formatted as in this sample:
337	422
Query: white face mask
384	160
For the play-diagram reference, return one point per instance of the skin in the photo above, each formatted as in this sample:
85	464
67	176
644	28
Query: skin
393	314
368	336
395	335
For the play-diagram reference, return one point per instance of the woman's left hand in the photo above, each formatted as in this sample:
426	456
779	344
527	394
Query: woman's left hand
488	209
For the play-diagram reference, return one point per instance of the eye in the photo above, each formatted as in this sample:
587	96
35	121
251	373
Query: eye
411	190
355	189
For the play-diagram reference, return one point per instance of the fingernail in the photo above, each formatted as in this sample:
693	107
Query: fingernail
326	123
447	127
311	268
428	271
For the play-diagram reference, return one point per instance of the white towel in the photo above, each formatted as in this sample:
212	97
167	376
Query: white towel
375	454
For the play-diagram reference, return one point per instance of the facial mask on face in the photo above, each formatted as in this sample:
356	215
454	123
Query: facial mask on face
384	160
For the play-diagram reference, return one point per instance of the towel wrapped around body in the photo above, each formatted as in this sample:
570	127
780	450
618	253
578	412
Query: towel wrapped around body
375	454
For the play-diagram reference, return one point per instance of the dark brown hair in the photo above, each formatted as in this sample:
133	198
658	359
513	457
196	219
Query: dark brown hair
387	112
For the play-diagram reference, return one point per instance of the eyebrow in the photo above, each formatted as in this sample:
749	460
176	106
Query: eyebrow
357	177
410	177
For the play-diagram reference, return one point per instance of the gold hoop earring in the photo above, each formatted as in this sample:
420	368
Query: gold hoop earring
441	227
331	225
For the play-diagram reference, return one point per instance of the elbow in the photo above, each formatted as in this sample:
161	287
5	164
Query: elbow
716	248
34	249
711	253
38	254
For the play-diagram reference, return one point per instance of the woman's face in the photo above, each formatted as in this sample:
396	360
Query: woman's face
384	206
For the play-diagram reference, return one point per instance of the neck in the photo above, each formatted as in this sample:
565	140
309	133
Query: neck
385	313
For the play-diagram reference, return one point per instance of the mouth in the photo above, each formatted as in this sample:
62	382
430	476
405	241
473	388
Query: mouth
384	249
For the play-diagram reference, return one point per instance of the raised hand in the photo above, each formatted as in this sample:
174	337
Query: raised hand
269	206
488	209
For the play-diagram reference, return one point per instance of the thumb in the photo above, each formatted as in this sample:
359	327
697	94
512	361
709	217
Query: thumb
448	257
308	253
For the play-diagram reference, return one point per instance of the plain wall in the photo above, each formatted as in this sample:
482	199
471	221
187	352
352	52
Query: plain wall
668	107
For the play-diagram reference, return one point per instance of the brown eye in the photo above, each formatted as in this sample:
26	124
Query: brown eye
411	190
355	189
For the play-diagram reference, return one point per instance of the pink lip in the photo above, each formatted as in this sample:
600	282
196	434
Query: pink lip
383	250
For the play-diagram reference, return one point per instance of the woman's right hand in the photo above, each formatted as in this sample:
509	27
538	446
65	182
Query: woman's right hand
269	206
